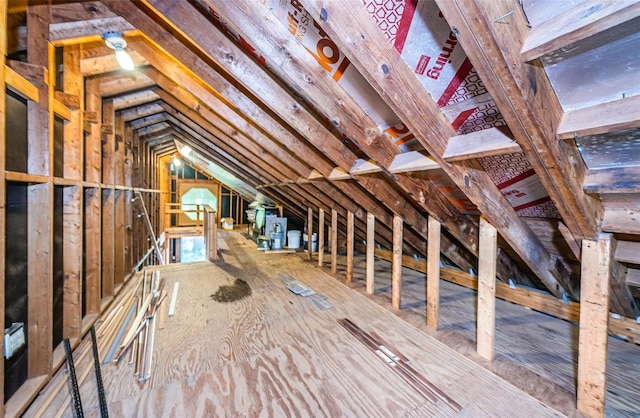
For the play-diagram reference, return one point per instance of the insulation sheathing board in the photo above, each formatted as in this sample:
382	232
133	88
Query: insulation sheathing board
422	36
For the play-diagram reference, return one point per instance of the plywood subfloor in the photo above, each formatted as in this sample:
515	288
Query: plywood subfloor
534	351
274	354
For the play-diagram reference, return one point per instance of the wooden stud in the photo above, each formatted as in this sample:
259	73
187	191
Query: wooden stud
350	244
396	263
3	194
334	241
119	237
309	231
40	285
320	237
433	273
72	233
594	313
108	242
371	246
92	241
73	87
487	289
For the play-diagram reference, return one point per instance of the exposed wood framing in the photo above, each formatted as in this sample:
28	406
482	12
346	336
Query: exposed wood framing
320	237
369	51
433	273
597	256
576	24
487	42
3	194
370	259
487	289
602	118
396	265
334	240
478	144
309	232
350	246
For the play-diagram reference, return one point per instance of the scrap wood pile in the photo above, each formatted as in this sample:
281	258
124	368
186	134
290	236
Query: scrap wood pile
135	307
131	325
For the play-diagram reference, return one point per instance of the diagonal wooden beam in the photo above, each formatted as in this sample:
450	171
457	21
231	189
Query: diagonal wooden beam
527	102
356	34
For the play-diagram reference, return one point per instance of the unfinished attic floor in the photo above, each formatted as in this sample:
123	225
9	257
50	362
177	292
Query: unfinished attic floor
534	351
275	354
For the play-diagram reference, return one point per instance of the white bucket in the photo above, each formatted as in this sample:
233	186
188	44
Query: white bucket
293	237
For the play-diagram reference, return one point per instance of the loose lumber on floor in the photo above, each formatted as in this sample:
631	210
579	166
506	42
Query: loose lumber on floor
275	354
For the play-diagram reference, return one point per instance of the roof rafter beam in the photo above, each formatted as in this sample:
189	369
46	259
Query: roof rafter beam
493	48
357	36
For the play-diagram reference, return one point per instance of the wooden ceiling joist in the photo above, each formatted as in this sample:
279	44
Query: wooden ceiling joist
81	31
369	51
580	22
603	118
484	143
612	180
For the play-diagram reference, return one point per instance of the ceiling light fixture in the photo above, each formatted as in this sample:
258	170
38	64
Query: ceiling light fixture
176	161
115	40
185	151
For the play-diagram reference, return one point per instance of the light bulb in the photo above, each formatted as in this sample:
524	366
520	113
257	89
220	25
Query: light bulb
176	162
124	59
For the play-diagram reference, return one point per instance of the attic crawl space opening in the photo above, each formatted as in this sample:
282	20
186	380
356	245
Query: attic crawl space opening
491	144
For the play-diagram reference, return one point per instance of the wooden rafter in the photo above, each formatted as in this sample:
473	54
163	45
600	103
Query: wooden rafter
489	41
603	118
382	66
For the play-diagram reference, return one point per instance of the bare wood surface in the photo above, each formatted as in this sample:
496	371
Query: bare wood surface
272	353
433	273
578	23
534	351
487	289
396	268
478	144
371	245
594	303
350	246
334	240
602	118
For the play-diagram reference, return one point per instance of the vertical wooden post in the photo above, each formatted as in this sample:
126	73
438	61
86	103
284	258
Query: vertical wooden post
73	85
40	198
210	234
92	249
350	221
40	285
594	316
371	246
107	236
320	237
487	261
3	193
396	264
334	241
309	231
433	272
72	232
